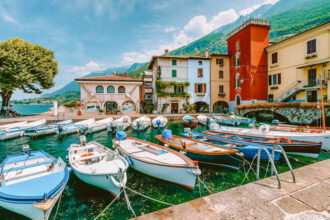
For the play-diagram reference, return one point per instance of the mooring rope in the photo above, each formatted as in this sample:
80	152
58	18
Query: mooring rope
201	181
156	200
58	205
128	202
108	205
247	173
267	168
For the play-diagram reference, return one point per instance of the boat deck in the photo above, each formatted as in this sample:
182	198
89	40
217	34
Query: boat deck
191	144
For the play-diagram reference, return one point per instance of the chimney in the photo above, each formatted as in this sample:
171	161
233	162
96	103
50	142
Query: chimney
166	52
206	53
125	74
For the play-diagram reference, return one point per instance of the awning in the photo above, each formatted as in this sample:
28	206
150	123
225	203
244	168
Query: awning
313	64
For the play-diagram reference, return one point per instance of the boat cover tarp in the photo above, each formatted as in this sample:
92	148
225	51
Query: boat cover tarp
167	134
188	118
121	135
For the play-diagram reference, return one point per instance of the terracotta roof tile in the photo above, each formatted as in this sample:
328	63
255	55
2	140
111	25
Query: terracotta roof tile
116	77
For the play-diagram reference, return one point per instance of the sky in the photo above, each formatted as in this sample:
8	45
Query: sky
89	35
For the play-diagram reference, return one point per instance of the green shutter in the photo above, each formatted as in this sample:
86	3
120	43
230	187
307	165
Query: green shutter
173	62
173	73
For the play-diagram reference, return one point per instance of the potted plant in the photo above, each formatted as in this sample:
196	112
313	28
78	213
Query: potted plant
101	111
118	111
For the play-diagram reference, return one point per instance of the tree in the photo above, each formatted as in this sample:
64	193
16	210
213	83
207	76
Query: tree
25	66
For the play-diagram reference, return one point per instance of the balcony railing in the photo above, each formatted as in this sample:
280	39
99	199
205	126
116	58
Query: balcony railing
222	94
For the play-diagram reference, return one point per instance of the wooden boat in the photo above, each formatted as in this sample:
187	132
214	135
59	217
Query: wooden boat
205	120
264	131
222	119
12	125
42	130
243	120
250	150
120	124
189	121
201	151
14	132
158	161
159	122
295	147
98	125
31	183
77	127
141	123
99	166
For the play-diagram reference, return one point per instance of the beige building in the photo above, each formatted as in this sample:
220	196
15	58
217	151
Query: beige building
220	86
111	93
295	64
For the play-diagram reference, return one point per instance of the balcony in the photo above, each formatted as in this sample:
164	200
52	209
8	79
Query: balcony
274	87
312	83
200	93
222	94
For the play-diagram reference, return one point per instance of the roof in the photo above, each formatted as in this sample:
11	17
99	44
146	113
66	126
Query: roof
117	77
202	57
250	21
220	54
298	34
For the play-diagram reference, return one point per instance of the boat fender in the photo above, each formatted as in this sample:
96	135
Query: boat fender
122	181
158	122
196	163
183	152
165	145
283	138
128	159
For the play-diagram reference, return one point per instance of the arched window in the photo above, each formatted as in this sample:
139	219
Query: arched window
237	80
111	89
121	89
99	89
237	59
238	100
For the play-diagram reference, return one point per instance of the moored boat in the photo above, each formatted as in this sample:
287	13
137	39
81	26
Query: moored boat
201	151
31	183
98	125
222	119
99	166
243	120
77	127
205	120
189	121
159	122
120	124
45	129
141	123
12	125
295	147
157	161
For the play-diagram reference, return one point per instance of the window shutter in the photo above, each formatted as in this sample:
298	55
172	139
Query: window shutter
196	87
204	87
279	78
270	80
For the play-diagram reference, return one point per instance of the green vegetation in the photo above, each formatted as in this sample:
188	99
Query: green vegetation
137	73
189	108
72	97
147	106
25	66
164	107
174	94
161	84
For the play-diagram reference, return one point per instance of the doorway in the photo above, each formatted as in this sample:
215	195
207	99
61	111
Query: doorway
312	96
238	100
312	77
174	107
111	107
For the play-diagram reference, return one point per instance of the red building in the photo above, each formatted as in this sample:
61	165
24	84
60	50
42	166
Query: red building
248	62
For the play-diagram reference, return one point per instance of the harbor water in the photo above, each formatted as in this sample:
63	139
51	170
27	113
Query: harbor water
83	201
31	109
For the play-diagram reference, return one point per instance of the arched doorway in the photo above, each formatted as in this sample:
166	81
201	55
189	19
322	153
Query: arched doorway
220	107
128	106
201	107
111	107
238	100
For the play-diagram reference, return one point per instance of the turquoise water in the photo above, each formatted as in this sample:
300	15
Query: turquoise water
83	201
31	109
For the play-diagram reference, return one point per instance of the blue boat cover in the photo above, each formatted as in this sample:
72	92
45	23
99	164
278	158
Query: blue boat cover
121	135
21	157
167	134
188	118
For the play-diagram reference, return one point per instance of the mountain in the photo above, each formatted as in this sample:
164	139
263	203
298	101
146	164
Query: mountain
287	17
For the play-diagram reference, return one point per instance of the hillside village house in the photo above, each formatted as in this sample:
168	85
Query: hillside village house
146	88
111	93
294	66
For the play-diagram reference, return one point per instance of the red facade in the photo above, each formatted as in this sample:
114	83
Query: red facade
248	75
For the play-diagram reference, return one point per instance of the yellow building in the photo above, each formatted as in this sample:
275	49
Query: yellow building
295	64
220	87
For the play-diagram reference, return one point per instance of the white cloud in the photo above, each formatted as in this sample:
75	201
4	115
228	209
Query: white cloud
249	10
8	18
169	29
88	68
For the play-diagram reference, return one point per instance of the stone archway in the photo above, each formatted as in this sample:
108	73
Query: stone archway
128	106
220	107
202	107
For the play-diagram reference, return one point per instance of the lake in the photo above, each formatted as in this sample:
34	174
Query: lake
83	201
31	109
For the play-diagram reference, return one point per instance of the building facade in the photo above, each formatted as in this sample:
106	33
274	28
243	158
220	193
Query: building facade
146	88
110	93
219	83
295	65
248	62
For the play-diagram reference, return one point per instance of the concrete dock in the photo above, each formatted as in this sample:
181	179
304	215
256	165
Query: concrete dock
308	198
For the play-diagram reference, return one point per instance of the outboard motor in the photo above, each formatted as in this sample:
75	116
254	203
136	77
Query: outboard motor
83	130
26	148
208	121
82	140
138	125
264	129
158	123
60	129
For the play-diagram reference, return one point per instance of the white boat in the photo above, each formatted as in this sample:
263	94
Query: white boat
77	127
159	122
12	125
45	129
243	120
98	125
14	132
120	124
205	120
99	166
264	131
141	123
158	161
222	119
31	183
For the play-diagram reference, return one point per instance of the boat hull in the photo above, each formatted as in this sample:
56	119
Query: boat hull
189	124
40	132
10	135
97	128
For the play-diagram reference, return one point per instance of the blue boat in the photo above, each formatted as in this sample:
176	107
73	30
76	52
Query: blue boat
248	149
31	183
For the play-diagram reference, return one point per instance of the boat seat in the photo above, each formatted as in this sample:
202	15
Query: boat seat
91	157
27	166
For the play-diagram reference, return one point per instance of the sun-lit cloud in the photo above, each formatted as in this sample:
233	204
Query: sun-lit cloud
251	9
169	29
86	69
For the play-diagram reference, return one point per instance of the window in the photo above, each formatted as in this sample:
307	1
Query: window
220	74
221	89
200	63
178	89
121	89
200	72
173	62
147	84
274	79
99	89
148	96
200	88
238	100
270	98
237	80
237	59
311	46
237	45
220	62
275	58
173	73
111	89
